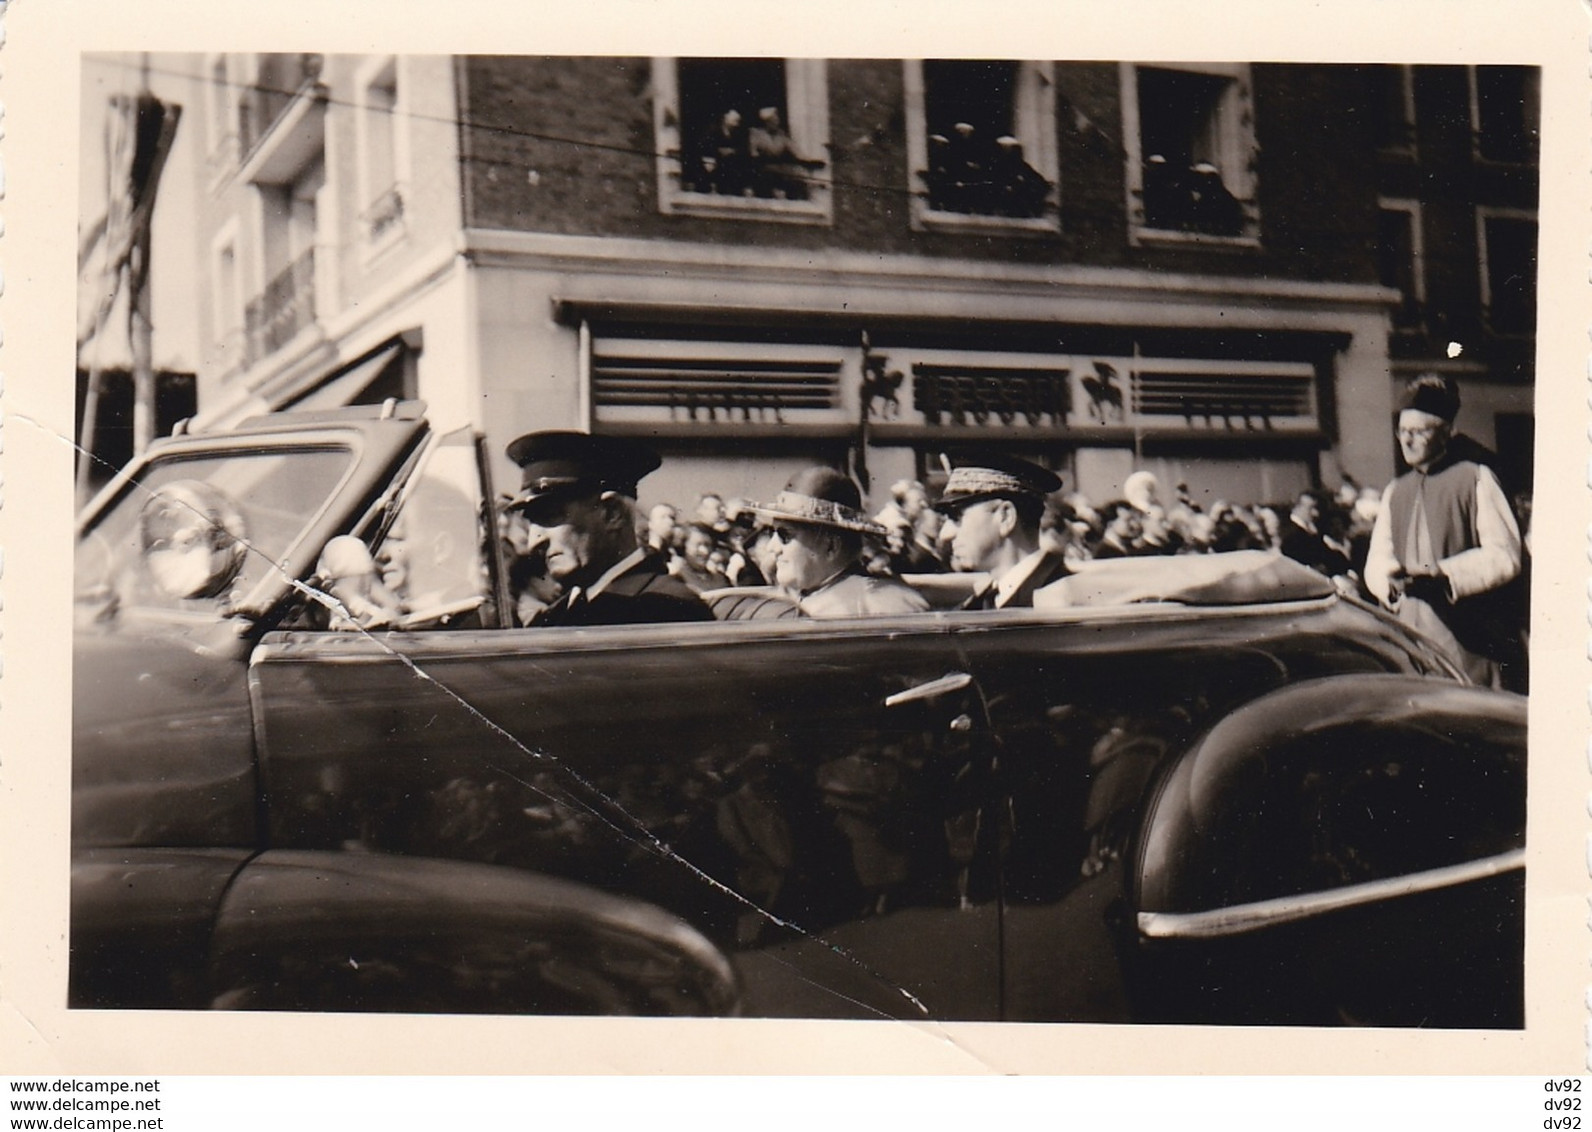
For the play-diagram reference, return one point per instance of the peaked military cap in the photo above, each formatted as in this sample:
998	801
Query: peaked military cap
994	475
556	466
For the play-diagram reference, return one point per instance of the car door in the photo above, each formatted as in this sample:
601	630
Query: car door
1087	710
811	796
176	562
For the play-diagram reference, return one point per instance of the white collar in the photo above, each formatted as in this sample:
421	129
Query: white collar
1016	576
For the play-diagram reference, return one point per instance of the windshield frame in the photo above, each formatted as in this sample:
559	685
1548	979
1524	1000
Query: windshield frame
287	570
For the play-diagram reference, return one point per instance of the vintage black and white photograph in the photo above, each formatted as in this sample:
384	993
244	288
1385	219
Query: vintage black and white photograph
934	538
902	536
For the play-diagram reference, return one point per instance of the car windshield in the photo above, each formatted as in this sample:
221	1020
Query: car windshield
199	532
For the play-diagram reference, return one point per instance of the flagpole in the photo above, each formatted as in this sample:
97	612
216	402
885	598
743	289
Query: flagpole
140	336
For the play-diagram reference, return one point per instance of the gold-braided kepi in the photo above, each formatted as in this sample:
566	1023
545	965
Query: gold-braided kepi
994	475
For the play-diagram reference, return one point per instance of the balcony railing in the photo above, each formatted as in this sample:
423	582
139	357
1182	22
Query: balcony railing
285	307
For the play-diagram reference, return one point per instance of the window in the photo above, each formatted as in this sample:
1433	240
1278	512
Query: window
430	559
381	154
1392	107
981	143
1401	258
743	137
1191	153
1056	394
719	386
288	303
1505	112
226	323
221	112
287	169
1508	245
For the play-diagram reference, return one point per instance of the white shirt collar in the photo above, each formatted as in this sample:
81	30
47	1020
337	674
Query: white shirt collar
1016	576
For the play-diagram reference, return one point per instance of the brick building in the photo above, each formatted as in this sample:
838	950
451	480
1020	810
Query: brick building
1218	272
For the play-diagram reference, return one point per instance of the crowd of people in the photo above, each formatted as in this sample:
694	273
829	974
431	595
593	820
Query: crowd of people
736	158
720	542
1439	548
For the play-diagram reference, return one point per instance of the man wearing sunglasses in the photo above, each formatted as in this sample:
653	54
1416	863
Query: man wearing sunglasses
819	525
577	495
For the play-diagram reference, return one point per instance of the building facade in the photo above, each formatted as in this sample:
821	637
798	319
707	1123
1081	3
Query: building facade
1217	272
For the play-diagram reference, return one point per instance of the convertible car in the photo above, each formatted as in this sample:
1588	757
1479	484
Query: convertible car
1192	790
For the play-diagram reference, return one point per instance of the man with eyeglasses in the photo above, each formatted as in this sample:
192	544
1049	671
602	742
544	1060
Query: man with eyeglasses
577	495
1445	547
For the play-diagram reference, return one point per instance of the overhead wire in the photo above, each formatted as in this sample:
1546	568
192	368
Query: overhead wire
650	155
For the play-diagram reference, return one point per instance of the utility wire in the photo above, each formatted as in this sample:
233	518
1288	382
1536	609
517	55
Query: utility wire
649	155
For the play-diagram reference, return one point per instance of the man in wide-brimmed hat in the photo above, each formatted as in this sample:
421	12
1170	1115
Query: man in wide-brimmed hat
577	493
993	504
1445	547
819	524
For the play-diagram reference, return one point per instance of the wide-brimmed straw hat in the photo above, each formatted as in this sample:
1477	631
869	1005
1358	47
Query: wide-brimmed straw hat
819	497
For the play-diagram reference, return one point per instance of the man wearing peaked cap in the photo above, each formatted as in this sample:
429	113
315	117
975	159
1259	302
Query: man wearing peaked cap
819	525
577	493
993	504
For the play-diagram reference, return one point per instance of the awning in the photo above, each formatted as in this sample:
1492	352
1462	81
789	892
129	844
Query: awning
344	388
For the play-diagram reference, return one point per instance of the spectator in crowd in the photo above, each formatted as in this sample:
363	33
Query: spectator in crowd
529	586
1018	187
1120	530
777	169
577	494
995	503
1445	546
762	552
348	572
1348	493
697	567
1156	534
1233	529
711	513
923	553
734	547
1143	491
1334	526
723	160
819	524
1302	538
912	530
661	522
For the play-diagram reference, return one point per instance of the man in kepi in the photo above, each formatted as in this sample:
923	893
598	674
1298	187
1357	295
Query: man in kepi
1445	547
994	504
577	493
